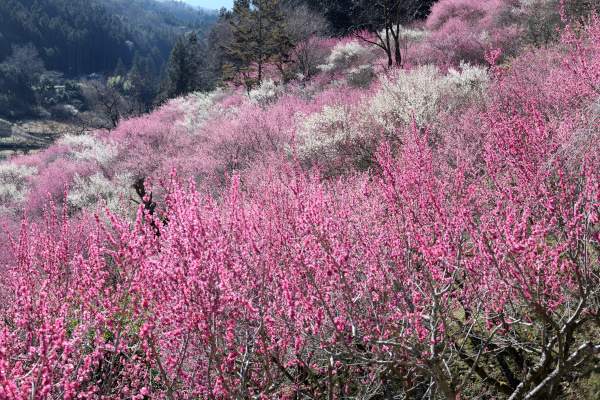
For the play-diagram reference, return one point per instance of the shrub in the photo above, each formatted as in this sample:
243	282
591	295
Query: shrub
13	182
64	111
266	93
353	60
87	191
463	30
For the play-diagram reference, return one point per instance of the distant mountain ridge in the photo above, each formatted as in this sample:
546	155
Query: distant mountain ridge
167	10
202	4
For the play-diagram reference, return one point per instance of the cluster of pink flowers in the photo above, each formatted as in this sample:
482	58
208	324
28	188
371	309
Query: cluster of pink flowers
452	255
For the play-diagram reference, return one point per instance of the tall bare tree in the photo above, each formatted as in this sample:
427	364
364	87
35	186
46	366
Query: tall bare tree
25	59
379	22
375	21
306	28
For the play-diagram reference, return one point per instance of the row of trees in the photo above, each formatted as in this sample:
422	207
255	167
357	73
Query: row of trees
244	46
279	39
74	37
261	38
375	21
258	39
260	35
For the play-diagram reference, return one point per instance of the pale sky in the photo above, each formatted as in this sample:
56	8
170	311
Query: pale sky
211	4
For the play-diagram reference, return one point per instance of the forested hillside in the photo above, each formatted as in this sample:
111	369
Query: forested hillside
410	211
81	36
44	43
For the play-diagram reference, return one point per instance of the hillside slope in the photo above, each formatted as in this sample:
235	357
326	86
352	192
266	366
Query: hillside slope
427	232
79	36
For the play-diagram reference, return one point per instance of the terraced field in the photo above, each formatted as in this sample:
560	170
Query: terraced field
29	136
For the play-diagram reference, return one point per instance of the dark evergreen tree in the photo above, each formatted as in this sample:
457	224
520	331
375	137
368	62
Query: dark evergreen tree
200	80
181	68
220	35
120	69
258	39
16	96
193	40
143	81
184	72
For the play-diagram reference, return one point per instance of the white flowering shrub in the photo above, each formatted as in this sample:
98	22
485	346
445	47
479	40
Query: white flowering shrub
413	35
420	93
268	92
76	141
87	190
469	80
321	131
196	108
360	76
13	182
353	60
403	94
88	148
63	111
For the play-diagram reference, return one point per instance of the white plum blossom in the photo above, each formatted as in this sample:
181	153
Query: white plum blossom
13	182
90	148
400	96
353	59
87	191
197	108
418	93
266	93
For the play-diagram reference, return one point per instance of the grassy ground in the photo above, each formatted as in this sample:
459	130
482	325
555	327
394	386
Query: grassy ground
29	136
